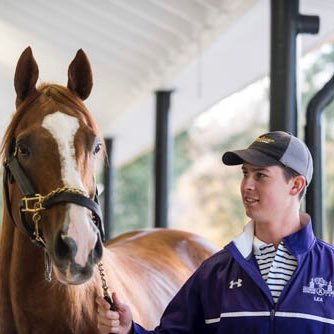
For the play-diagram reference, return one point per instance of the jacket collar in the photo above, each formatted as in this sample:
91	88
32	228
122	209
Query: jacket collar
297	243
301	241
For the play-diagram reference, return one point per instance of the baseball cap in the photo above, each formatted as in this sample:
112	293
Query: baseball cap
275	148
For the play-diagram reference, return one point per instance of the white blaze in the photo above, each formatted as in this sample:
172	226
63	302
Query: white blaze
63	128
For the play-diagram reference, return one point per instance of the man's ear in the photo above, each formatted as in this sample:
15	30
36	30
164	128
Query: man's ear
298	184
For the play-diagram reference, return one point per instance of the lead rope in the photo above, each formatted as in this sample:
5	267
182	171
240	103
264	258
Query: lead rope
105	287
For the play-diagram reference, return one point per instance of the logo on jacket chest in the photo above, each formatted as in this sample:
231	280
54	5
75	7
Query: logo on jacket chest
320	288
236	284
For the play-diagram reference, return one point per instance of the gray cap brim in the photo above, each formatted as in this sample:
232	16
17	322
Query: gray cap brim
250	156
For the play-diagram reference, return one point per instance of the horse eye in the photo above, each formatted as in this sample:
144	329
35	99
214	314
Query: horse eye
23	150
97	148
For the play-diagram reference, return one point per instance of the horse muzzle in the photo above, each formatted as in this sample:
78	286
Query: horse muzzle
69	265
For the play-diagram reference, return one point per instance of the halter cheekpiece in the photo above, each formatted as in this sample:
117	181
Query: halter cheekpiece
33	203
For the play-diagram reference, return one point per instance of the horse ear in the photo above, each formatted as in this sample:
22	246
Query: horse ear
80	77
26	75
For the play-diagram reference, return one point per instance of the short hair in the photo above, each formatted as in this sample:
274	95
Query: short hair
289	174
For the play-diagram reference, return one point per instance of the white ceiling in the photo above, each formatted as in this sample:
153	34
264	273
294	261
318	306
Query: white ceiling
205	49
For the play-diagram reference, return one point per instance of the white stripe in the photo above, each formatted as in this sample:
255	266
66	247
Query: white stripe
281	271
264	262
304	316
267	314
63	128
212	321
270	251
285	265
284	256
237	314
282	266
278	281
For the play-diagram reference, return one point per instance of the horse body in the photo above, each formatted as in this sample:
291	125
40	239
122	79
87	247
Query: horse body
55	142
157	263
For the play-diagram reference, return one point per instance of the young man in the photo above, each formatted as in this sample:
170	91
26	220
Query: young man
276	277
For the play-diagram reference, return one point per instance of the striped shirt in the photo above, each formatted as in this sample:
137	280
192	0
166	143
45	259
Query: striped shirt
276	266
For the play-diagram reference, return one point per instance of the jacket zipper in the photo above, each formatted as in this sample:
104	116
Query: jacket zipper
272	318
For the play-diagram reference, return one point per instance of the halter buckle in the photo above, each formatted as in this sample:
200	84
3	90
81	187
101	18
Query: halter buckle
32	203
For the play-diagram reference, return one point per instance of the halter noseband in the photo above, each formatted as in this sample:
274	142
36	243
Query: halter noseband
34	203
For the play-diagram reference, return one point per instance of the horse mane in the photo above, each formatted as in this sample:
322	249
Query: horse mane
45	94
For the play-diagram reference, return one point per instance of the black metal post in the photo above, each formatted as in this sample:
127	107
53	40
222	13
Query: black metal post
161	161
108	189
286	23
314	138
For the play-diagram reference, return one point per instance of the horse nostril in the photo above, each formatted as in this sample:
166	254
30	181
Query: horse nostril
65	247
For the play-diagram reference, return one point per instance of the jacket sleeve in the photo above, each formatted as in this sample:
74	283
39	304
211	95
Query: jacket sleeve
183	314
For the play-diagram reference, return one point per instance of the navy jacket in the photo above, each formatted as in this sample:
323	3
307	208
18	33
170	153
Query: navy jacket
227	294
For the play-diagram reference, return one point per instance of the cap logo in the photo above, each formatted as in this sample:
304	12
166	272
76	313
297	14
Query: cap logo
265	140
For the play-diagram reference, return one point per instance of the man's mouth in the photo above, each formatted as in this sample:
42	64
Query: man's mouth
250	200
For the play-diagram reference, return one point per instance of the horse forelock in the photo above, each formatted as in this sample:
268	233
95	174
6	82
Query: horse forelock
62	96
69	103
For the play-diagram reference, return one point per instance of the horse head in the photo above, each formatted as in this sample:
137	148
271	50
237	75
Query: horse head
50	150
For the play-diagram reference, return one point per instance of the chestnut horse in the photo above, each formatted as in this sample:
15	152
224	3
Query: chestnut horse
52	221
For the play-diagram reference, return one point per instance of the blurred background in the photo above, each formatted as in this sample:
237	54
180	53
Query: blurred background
214	55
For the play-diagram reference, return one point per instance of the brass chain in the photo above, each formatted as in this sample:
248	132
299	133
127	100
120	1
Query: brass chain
38	207
103	279
38	200
105	288
36	219
64	189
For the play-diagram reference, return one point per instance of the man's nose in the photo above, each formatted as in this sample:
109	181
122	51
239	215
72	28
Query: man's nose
248	183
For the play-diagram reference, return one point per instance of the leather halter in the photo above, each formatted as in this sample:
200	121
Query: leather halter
34	203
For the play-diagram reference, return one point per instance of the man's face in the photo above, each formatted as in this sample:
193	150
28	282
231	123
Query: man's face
265	192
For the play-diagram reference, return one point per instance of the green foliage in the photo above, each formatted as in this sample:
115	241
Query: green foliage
133	195
134	186
205	198
181	157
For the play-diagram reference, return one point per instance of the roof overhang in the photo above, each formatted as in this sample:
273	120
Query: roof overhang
204	50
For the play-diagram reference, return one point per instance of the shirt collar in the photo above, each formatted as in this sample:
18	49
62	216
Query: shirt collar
297	243
244	242
258	246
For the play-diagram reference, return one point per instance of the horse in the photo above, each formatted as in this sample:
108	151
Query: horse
51	245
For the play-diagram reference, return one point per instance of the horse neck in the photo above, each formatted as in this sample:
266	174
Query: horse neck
6	245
